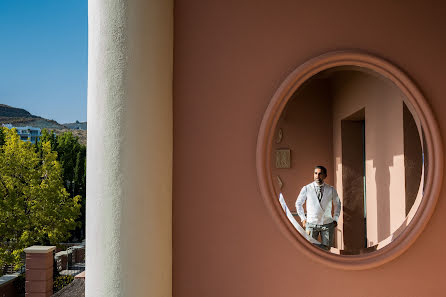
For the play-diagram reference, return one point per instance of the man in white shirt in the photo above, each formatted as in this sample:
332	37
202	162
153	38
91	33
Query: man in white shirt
319	199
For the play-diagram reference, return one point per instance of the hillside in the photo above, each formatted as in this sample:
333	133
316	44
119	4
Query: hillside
76	126
31	121
81	134
9	111
20	117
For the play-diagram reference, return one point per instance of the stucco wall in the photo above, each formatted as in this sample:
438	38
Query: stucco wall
306	125
129	167
384	147
230	57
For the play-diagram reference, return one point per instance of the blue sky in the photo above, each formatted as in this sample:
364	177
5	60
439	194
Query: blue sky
43	57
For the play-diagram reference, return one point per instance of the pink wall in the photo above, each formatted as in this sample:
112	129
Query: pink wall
351	230
413	162
306	125
230	57
384	147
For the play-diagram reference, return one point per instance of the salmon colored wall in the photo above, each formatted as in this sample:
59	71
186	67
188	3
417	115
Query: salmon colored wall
306	125
350	230
230	57
413	159
384	147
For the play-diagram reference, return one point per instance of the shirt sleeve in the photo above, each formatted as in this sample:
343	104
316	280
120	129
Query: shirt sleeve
337	205
300	203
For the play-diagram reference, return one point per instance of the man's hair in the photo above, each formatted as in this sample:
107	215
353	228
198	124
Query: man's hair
322	168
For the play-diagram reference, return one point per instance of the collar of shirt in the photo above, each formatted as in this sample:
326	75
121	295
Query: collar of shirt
318	185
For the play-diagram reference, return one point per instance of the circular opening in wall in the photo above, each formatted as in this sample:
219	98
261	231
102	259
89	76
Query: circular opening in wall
349	160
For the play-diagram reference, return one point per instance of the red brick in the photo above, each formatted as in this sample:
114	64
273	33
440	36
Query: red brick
39	274
47	294
38	286
39	261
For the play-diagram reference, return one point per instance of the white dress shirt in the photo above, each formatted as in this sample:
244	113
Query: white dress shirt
294	222
318	213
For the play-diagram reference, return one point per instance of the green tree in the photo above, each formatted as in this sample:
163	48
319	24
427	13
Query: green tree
35	207
48	136
80	170
72	156
2	136
79	188
67	149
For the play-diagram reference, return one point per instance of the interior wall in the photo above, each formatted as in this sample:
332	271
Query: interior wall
352	229
230	58
413	159
384	147
306	125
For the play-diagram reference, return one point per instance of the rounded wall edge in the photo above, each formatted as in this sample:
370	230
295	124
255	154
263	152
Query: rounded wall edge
129	204
105	113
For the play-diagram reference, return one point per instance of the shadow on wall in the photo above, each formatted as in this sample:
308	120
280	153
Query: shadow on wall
358	123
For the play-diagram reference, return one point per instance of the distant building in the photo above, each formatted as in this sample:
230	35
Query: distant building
26	133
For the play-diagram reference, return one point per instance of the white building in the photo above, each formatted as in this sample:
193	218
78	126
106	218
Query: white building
27	133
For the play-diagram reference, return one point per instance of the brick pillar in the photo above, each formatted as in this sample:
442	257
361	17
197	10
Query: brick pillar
39	271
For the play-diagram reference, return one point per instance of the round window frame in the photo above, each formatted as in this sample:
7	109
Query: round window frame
434	148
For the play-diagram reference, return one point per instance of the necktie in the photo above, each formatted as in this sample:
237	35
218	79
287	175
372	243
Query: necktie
320	192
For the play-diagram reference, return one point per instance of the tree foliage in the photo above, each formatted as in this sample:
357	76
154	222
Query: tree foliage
2	137
72	156
47	136
35	207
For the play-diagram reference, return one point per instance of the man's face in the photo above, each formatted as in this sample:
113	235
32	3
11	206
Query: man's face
319	176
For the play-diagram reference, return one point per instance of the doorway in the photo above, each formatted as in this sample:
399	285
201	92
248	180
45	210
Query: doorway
353	181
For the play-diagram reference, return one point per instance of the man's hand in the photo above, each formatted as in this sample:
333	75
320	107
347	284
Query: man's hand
304	222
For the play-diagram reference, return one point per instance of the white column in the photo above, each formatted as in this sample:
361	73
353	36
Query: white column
129	148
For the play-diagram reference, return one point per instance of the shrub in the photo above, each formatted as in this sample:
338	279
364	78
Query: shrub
62	281
19	284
